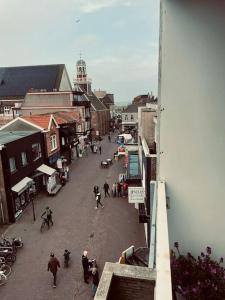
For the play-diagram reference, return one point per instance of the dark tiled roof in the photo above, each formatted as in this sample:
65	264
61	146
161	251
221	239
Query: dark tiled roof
107	100
17	81
132	108
96	102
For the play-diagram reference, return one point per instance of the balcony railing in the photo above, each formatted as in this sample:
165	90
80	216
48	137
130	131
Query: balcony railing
159	257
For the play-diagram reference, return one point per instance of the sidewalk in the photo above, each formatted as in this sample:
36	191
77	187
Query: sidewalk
105	233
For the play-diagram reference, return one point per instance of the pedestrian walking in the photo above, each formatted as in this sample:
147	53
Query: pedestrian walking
85	264
100	149
92	148
109	138
114	187
106	189
95	281
119	189
96	190
53	266
48	215
98	201
125	188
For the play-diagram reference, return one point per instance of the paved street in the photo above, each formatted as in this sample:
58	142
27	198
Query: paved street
77	226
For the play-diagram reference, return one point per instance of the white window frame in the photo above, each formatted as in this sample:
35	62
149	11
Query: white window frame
79	128
53	142
126	117
7	110
12	164
24	158
63	141
131	117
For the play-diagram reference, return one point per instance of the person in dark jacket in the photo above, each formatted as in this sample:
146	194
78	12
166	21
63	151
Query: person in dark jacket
95	281
119	189
100	149
85	264
47	214
106	189
53	266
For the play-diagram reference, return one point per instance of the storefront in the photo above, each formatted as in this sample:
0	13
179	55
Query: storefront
21	195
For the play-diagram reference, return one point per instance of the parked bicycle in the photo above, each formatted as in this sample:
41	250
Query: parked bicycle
5	271
15	243
8	253
5	267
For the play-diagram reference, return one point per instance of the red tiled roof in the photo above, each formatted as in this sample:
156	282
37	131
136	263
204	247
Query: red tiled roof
39	120
67	117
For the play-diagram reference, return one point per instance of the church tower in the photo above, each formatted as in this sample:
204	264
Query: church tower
81	79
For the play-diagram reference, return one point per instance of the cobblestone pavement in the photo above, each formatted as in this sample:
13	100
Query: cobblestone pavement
77	226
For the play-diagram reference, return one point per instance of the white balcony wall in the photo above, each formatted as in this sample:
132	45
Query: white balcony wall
192	124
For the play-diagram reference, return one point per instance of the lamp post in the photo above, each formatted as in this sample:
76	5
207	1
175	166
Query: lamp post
31	196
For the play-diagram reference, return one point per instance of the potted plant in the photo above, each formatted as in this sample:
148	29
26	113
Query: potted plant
199	278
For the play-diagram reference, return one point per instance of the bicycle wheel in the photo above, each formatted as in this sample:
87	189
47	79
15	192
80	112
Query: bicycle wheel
3	279
11	258
6	269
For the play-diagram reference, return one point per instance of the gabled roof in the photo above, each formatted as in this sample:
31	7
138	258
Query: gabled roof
63	117
17	81
42	121
132	108
96	102
107	100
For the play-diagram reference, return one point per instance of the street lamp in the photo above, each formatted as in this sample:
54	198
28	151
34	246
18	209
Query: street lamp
31	196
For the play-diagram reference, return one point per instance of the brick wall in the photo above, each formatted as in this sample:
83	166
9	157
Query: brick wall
53	131
5	218
127	288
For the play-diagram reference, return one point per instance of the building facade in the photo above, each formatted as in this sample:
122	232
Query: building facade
21	153
191	122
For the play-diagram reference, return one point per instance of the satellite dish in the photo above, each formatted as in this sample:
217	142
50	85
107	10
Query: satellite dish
77	20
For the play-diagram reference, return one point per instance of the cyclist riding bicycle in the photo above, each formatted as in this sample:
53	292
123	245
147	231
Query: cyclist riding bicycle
47	216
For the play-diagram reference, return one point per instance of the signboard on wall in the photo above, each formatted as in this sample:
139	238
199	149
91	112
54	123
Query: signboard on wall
136	194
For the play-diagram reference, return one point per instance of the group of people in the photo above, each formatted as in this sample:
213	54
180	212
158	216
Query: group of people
90	269
120	189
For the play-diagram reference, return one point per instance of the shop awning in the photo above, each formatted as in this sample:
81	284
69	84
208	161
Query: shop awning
46	170
22	185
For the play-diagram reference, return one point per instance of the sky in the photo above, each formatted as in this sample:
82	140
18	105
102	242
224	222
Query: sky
118	39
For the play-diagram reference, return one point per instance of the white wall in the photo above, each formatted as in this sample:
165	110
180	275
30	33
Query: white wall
65	82
134	114
192	124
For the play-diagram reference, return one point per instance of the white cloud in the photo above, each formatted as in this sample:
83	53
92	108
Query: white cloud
91	6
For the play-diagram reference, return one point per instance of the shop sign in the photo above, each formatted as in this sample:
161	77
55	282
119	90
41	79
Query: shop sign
136	194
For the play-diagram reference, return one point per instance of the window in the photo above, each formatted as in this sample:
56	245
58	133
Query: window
24	158
7	110
131	117
53	142
126	117
79	128
63	141
12	164
36	151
